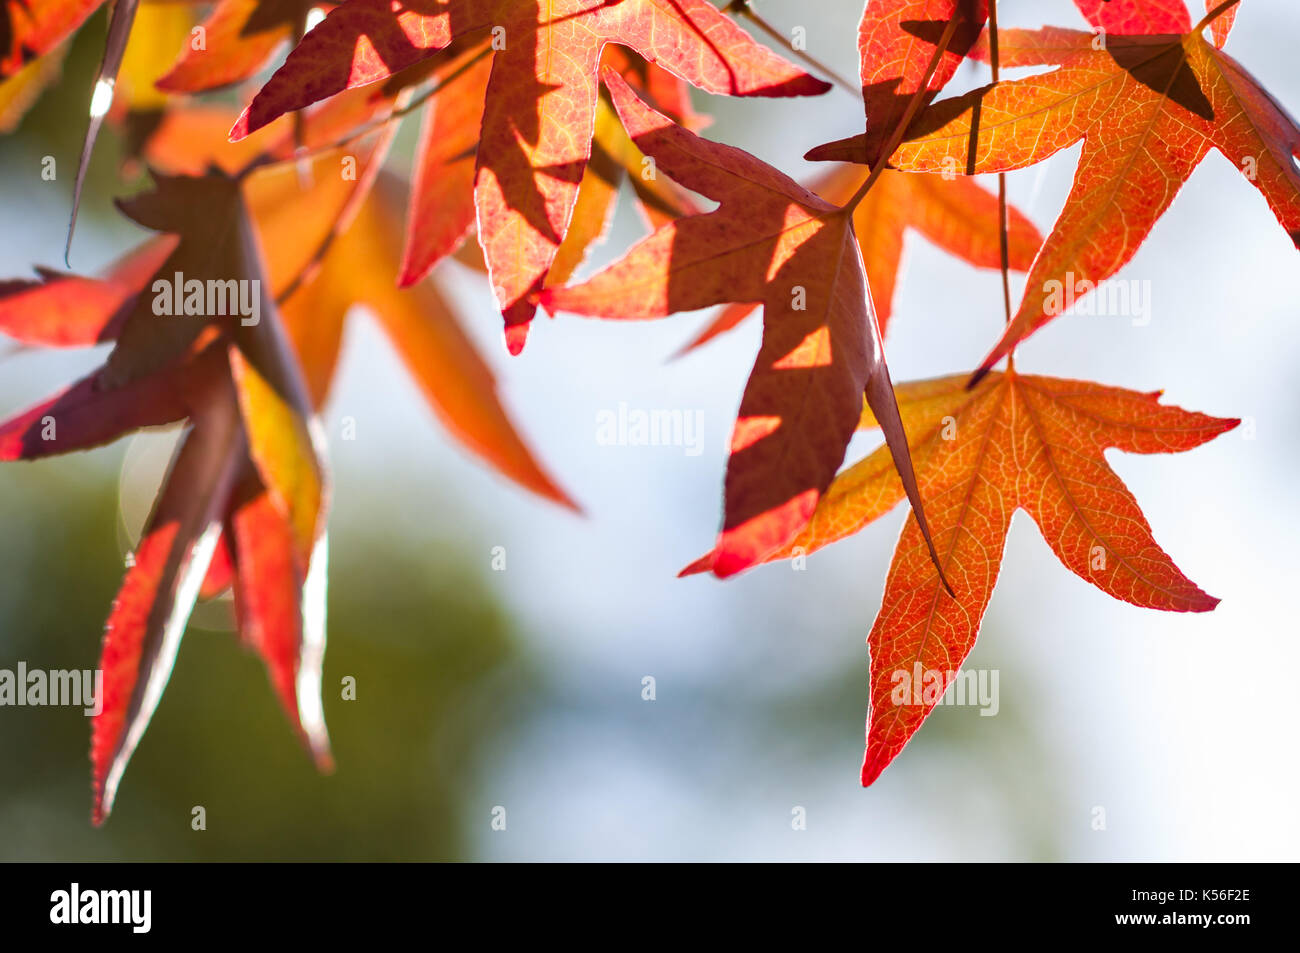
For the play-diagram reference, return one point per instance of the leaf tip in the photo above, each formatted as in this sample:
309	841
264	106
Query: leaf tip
874	763
614	80
101	799
852	149
516	335
702	565
409	275
240	130
321	756
550	490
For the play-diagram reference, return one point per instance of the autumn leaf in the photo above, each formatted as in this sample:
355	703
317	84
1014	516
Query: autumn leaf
597	195
29	30
1148	109
232	374
1138	16
540	105
269	542
896	39
87	415
1223	23
171	566
359	266
442	186
1156	16
159	31
19	92
442	211
1014	442
214	525
151	610
285	440
67	310
616	159
772	242
283	437
206	214
279	605
952	212
239	38
897	43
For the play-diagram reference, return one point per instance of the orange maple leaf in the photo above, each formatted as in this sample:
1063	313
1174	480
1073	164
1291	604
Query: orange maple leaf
895	42
1013	442
29	30
239	38
1148	109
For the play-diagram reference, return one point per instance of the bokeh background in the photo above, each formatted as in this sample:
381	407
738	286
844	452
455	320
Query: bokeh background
522	688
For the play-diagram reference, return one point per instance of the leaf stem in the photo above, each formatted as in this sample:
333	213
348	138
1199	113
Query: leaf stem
995	62
1214	14
398	112
744	8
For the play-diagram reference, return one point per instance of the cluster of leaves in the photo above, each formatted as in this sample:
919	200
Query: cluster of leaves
534	116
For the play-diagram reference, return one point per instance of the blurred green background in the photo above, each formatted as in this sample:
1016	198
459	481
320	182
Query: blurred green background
423	642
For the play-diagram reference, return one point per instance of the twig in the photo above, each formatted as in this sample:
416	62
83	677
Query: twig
1003	238
398	112
1214	14
743	8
